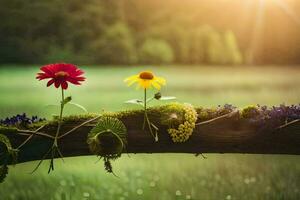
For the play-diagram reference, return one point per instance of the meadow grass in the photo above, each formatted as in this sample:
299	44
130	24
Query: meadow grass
156	176
105	89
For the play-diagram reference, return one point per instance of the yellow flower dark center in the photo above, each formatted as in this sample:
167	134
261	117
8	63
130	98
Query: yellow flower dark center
146	75
61	74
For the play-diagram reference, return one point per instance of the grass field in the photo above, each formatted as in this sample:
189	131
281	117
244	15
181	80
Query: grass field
160	176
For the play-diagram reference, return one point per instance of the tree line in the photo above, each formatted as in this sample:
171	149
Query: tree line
118	32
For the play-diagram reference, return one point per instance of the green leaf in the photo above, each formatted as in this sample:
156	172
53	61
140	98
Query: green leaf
78	106
67	100
135	101
167	98
3	172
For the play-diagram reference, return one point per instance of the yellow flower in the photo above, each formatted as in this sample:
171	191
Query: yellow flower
145	80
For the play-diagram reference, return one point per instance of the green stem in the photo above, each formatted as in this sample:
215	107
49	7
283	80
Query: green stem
146	118
54	150
145	99
145	107
60	117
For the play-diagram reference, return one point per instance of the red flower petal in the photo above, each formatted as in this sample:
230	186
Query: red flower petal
74	81
41	76
47	69
81	78
57	84
64	85
50	82
60	73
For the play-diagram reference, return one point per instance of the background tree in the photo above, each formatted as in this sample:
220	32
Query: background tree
111	32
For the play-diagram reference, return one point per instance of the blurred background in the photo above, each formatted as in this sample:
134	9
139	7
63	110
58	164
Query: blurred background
212	52
150	32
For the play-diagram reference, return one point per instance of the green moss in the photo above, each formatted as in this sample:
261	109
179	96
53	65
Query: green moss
183	131
72	118
167	114
36	125
210	113
123	114
172	114
202	114
155	111
108	140
108	137
250	111
207	113
7	130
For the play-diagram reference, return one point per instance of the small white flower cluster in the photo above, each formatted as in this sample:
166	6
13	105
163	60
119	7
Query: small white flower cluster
185	129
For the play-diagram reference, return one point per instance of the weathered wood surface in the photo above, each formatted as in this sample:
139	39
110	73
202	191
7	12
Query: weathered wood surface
230	134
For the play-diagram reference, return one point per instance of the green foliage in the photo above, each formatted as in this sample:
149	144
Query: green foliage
115	46
155	51
195	46
88	32
232	52
107	32
205	44
59	53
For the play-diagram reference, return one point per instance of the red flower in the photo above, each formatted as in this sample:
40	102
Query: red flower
60	74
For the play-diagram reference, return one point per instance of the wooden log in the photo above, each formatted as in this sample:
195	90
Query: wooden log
226	134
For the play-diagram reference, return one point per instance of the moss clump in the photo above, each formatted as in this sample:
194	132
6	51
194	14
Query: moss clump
108	140
250	112
206	114
184	117
108	137
210	113
172	114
